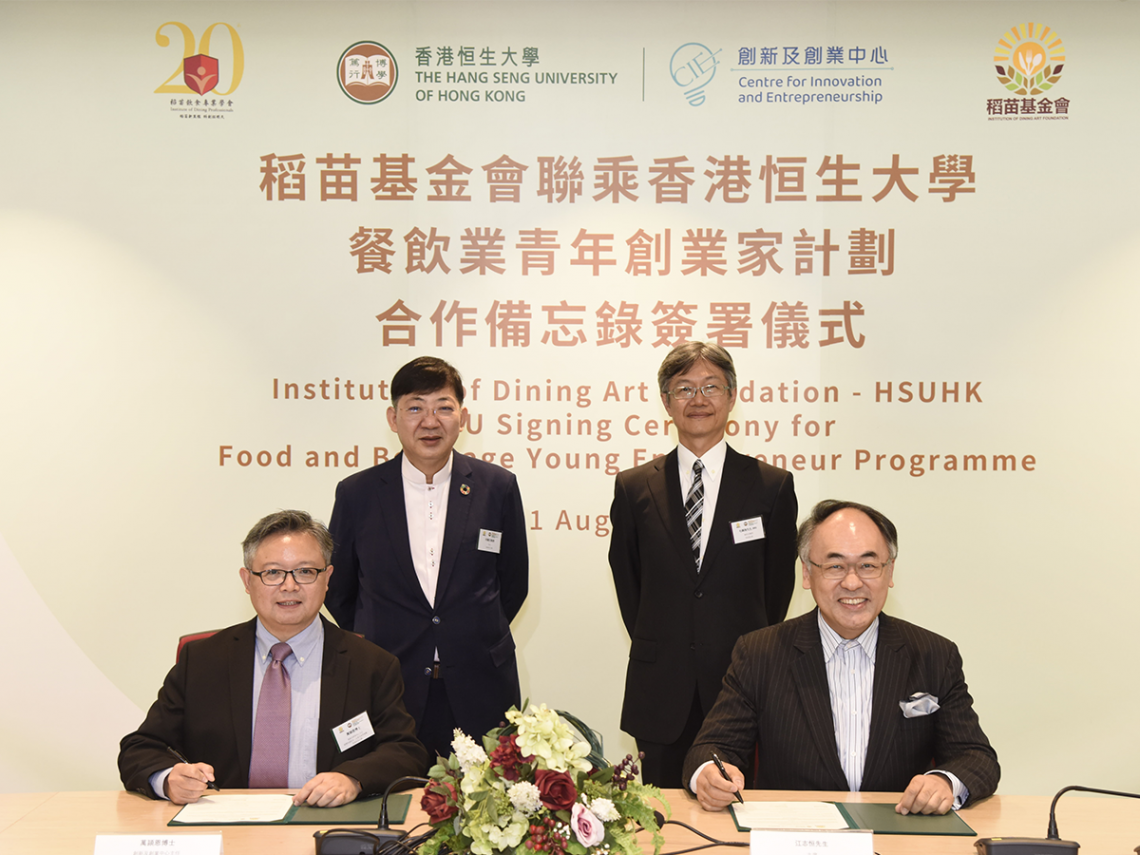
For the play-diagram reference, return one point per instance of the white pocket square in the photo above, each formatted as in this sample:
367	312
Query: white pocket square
919	704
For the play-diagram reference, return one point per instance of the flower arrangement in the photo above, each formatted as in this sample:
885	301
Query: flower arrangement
536	786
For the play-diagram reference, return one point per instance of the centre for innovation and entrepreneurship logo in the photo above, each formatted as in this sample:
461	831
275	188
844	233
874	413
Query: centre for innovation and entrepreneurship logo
1029	59
367	72
692	67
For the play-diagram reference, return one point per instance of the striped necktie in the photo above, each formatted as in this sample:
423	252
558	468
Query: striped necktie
694	510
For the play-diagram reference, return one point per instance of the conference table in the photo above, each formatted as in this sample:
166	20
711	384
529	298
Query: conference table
67	823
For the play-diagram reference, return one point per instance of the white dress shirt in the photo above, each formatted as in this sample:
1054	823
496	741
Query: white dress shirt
713	467
850	665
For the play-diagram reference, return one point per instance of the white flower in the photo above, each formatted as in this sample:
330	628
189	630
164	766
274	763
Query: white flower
467	751
604	810
525	798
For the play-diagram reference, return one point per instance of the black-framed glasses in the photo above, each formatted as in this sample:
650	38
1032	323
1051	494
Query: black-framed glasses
709	390
302	576
862	569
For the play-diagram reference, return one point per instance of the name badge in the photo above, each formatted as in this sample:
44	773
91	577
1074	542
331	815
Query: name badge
353	732
490	541
746	530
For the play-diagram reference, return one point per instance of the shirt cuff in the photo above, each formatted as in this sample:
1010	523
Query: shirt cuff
697	774
158	782
961	794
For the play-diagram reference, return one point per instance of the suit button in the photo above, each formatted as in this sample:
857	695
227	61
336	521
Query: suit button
699	594
435	619
427	672
692	647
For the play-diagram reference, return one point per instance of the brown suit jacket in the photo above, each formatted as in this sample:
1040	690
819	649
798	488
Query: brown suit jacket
776	693
205	710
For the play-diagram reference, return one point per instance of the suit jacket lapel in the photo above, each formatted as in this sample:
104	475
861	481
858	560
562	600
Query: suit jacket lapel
810	676
394	513
334	692
892	665
241	692
665	487
737	480
459	502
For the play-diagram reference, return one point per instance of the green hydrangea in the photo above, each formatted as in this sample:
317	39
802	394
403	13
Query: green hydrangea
543	733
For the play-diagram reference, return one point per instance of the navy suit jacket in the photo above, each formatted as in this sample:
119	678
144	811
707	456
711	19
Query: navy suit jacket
776	691
374	589
205	710
683	624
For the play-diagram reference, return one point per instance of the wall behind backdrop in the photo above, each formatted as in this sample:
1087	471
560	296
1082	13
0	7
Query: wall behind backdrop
223	226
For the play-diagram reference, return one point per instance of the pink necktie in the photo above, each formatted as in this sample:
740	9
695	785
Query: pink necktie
269	764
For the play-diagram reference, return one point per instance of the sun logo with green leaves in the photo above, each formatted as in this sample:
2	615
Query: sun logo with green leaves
1029	59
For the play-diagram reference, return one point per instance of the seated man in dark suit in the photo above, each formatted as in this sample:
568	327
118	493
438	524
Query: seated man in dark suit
248	709
845	697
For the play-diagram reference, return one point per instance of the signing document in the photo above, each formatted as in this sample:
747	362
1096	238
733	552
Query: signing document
235	809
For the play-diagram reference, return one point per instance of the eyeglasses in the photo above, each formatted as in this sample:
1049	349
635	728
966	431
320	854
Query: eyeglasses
709	390
416	412
302	576
863	569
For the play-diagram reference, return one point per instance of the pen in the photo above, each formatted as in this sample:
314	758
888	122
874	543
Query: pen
210	784
724	774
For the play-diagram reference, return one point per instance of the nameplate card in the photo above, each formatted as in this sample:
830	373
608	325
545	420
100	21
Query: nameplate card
744	531
854	842
158	844
490	541
353	732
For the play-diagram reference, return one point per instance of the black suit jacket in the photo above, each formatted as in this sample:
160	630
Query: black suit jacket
205	710
683	624
776	690
375	590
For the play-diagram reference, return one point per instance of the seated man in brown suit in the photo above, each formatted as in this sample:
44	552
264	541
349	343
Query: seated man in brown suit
256	704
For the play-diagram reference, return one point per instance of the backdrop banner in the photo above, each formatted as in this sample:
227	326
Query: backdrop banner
224	226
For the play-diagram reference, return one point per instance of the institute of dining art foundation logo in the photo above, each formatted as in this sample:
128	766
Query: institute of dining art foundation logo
367	72
1029	59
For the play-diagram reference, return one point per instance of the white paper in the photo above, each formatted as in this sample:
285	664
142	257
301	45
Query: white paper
229	809
798	816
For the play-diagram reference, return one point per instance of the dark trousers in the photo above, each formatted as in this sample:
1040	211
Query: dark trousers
436	728
663	761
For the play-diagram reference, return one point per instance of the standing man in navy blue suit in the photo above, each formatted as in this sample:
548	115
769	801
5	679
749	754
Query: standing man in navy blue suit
432	563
